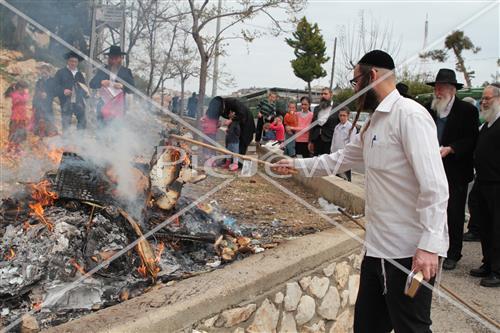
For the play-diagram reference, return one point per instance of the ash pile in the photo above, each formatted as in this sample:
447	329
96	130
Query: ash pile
74	243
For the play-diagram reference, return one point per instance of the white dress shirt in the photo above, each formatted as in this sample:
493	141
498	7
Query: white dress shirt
341	136
406	187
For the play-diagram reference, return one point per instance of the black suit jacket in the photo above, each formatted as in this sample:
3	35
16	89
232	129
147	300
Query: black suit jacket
325	131
460	133
123	73
64	79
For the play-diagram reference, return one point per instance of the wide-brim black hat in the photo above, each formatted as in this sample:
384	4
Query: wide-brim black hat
115	50
446	75
73	54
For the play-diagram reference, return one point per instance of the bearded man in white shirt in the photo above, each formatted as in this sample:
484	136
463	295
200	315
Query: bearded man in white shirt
406	199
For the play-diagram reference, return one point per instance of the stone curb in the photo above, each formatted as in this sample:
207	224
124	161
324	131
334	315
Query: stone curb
175	307
334	189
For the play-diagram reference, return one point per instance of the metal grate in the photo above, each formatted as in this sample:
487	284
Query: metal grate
79	179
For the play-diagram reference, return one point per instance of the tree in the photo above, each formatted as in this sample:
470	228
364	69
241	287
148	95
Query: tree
203	14
359	38
457	42
309	48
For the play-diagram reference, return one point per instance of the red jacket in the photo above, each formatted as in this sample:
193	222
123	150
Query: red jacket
280	131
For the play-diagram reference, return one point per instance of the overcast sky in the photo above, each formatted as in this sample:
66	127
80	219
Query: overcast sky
266	61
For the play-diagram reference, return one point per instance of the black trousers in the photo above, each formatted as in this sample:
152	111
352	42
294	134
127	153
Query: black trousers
456	218
378	313
260	127
302	150
487	213
322	147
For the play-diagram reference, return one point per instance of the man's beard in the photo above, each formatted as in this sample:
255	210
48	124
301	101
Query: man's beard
439	104
324	103
490	113
368	102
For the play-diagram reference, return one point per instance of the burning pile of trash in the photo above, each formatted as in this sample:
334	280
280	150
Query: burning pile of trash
72	244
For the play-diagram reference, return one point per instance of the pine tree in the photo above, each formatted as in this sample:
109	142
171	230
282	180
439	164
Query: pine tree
309	49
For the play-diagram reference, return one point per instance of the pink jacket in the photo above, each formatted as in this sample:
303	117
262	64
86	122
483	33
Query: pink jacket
303	122
19	105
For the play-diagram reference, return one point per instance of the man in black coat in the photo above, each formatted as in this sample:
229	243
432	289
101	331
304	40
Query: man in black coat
320	136
102	79
220	107
486	190
457	127
71	89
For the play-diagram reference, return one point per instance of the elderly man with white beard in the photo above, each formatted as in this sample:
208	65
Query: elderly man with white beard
457	125
486	190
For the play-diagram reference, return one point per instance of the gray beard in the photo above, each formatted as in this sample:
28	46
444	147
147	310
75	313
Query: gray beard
439	105
490	113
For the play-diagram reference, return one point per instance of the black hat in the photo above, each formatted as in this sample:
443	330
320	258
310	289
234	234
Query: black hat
73	54
446	75
377	58
115	50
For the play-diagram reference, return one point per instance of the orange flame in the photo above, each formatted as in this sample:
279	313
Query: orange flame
11	255
43	197
77	266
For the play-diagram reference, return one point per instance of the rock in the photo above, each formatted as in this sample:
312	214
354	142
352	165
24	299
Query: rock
288	323
353	286
330	305
329	270
342	274
345	297
305	282
292	298
343	323
319	327
232	317
29	324
305	310
239	330
278	298
266	318
319	286
210	322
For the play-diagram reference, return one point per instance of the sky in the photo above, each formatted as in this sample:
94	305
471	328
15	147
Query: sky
266	61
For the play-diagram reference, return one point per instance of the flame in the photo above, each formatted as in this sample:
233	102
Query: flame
37	306
159	250
43	197
11	255
75	264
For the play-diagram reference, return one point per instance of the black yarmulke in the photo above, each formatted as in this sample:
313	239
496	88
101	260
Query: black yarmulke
377	58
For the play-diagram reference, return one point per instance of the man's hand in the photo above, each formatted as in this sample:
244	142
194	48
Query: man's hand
284	167
67	92
445	151
425	262
310	147
105	83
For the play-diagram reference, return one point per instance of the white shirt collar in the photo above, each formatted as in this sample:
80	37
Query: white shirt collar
388	101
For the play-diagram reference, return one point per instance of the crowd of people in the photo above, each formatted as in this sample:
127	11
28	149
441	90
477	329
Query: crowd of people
70	87
419	164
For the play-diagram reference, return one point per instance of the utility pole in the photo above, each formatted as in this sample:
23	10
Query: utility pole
333	62
216	60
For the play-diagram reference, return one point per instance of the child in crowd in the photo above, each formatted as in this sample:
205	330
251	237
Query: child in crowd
342	135
19	118
278	128
233	139
209	127
290	122
269	135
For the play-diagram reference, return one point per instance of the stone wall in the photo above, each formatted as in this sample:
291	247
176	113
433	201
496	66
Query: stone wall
317	301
